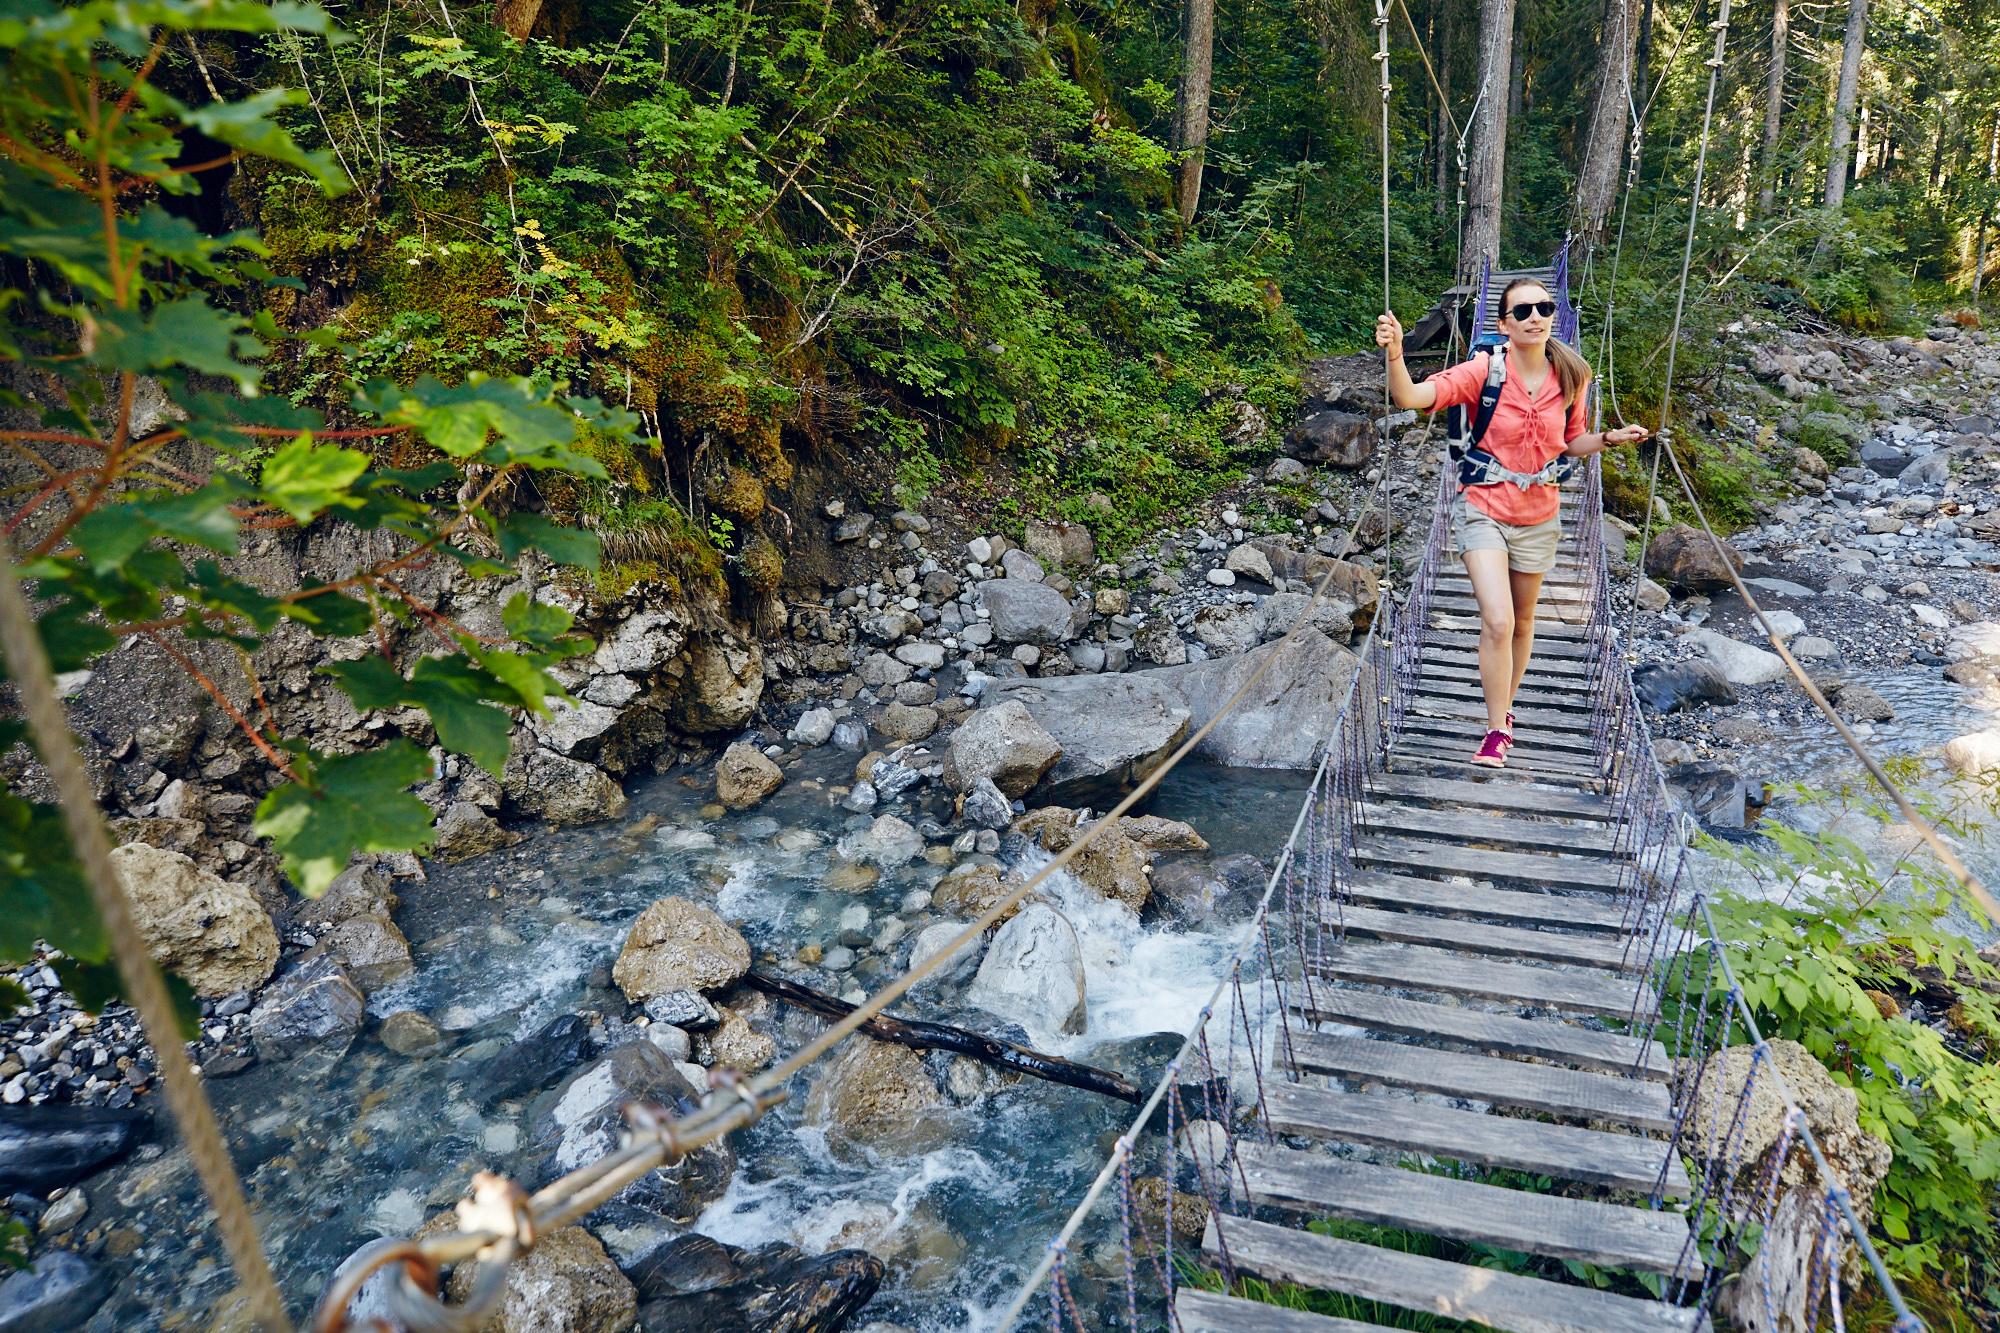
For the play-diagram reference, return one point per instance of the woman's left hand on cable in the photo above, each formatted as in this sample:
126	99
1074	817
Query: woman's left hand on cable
1626	435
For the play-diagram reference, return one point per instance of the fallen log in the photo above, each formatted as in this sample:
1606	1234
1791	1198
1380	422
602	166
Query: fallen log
926	1036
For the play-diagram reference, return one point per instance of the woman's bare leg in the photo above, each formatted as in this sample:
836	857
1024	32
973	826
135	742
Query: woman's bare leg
1497	674
1527	590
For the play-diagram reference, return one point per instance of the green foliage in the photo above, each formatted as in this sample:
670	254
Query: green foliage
17	1240
132	529
1819	934
1824	438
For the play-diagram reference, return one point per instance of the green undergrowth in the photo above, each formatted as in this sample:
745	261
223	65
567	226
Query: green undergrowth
1831	944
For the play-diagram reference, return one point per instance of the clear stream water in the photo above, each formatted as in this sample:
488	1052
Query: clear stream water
377	1143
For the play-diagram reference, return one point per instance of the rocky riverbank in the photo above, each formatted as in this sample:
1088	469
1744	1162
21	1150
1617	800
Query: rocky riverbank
1883	569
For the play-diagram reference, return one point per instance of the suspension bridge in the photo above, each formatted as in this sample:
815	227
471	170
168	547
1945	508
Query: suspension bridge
1464	977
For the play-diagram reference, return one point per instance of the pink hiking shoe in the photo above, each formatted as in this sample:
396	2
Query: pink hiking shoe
1493	750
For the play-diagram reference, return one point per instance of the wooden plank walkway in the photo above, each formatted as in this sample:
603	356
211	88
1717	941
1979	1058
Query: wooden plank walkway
1464	1018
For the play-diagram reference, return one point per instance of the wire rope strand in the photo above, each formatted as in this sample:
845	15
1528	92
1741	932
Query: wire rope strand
48	725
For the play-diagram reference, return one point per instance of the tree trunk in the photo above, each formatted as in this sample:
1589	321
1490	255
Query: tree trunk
1838	151
1985	211
1610	122
919	1035
1448	158
1774	103
1486	160
1937	148
517	17
1642	54
1191	129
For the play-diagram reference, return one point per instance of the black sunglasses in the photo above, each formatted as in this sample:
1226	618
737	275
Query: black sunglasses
1523	309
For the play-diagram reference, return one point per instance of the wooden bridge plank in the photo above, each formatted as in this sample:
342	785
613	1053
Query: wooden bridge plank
1453	1024
1484	937
1198	1311
1440	758
1549	616
1461	685
1595	840
1579	746
1444	792
1411	895
1432	859
1426	737
1396	1124
1462	633
1452	737
1414	967
1437	1286
1554	673
1573	1094
1611	1235
1529	718
1553	637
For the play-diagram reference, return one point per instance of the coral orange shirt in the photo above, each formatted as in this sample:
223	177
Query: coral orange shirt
1525	435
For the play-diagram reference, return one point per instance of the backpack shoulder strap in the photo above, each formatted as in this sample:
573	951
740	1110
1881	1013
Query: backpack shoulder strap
1489	396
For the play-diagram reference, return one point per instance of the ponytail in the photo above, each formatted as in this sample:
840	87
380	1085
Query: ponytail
1572	371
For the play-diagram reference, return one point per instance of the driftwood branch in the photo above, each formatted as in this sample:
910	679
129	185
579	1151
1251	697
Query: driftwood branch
923	1036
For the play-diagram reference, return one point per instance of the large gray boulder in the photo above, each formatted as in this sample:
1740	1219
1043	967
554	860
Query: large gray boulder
1342	439
1740	663
314	1007
1287	713
1113	729
679	945
584	1119
743	776
1060	545
561	790
1683	557
213	933
1281	610
566	1284
1003	744
354	923
1787	1259
1024	611
876	1094
1033	973
1357	585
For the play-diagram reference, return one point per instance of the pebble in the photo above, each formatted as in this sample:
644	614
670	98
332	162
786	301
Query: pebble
65	1211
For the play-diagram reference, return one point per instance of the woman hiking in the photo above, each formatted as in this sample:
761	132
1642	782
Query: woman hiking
1506	527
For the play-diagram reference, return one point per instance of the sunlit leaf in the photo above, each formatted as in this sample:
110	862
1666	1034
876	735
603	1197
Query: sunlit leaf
305	479
353	803
524	530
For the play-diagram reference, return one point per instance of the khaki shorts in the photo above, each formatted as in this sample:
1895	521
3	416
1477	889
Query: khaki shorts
1530	548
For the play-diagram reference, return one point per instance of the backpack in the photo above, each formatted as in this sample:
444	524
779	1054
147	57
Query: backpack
1476	466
